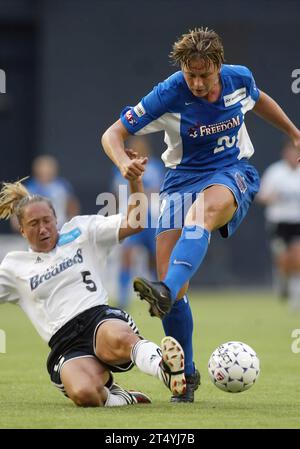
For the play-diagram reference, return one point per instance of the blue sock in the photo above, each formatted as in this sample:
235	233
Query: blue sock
179	324
186	257
124	283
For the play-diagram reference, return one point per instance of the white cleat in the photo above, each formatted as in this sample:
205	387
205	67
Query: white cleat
172	366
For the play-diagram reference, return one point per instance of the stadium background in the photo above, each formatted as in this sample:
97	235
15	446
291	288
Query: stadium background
72	65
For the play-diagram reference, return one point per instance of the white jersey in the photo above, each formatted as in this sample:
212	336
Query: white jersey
282	181
54	287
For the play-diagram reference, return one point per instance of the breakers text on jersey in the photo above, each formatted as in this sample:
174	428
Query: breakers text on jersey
36	280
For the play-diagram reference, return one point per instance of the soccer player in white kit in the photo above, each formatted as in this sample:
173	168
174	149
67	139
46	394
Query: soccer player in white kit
58	284
280	193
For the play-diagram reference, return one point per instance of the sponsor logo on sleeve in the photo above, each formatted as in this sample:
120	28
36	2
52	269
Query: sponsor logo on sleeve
235	97
130	118
139	110
68	237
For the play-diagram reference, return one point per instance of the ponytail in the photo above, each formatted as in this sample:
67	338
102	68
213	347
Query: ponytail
10	196
14	197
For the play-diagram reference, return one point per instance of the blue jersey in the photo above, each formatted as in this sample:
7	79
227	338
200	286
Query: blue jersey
200	135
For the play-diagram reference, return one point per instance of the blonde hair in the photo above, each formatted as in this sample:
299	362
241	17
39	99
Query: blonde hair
199	43
14	197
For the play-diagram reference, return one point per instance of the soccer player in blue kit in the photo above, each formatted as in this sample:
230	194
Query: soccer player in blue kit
201	109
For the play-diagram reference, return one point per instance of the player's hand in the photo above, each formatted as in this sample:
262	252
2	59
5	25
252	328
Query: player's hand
133	169
131	153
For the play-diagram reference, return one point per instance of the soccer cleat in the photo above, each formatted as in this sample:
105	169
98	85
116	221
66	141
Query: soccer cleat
192	383
131	397
139	398
156	294
172	366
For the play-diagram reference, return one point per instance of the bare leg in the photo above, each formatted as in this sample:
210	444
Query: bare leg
84	379
117	344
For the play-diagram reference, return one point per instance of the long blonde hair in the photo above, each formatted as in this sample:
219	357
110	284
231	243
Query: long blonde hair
14	197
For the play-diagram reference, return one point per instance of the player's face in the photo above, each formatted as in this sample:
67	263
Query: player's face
200	78
39	227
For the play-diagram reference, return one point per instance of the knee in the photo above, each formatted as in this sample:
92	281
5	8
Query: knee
212	211
119	348
88	395
218	213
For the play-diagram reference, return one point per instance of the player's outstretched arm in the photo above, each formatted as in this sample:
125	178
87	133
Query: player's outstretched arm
269	110
136	218
113	143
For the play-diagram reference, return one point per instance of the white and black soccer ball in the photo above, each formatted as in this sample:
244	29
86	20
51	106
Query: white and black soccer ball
233	367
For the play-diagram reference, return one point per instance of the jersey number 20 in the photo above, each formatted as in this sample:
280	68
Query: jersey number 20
228	143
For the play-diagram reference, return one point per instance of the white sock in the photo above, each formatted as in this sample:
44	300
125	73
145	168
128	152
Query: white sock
294	293
147	357
117	398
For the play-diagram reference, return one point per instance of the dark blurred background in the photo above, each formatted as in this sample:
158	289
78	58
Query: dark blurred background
72	65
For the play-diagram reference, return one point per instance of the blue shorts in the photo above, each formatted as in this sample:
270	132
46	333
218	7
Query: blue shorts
180	189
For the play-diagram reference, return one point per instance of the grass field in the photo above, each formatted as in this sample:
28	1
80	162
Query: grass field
28	400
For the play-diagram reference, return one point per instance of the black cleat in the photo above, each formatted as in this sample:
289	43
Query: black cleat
192	383
156	294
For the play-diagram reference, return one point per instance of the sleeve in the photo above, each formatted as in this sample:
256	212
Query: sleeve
244	87
144	117
251	86
104	230
8	291
248	83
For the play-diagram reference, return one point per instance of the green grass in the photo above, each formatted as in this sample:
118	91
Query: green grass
28	400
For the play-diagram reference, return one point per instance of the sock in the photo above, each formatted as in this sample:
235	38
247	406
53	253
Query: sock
179	324
294	293
124	283
186	257
115	400
147	356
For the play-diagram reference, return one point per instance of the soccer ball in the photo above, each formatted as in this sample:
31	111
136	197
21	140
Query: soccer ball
233	367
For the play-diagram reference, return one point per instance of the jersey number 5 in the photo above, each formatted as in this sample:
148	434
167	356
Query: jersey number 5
90	285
